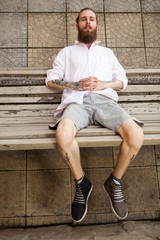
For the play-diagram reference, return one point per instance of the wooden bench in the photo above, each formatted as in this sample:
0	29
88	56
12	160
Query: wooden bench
32	171
27	106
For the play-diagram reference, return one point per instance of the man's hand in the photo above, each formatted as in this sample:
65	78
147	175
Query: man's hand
93	84
90	84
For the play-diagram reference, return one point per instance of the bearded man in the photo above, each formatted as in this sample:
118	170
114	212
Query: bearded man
90	76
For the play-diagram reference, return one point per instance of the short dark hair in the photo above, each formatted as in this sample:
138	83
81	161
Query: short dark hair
77	19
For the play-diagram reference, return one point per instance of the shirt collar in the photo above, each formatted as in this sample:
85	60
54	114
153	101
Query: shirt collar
94	43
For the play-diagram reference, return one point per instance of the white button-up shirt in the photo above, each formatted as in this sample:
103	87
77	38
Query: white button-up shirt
76	62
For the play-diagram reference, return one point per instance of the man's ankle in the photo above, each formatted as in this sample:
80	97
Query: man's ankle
78	181
115	179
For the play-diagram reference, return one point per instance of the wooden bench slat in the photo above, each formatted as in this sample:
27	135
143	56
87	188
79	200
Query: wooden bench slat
153	117
23	107
6	100
30	90
17	90
50	143
29	71
42	131
28	113
136	98
130	98
142	88
138	107
49	112
28	120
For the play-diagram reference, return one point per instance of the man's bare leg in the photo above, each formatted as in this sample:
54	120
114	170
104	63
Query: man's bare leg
69	149
68	146
132	136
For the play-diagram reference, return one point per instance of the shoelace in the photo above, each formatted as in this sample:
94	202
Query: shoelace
79	198
118	195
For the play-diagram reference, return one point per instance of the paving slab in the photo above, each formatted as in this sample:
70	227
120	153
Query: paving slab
132	230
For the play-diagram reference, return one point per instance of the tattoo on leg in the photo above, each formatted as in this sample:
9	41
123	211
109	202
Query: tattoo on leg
67	157
131	159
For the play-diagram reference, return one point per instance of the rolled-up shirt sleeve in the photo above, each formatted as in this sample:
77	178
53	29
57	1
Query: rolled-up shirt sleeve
119	72
58	70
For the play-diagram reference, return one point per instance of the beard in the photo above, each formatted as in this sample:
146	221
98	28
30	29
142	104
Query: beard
88	36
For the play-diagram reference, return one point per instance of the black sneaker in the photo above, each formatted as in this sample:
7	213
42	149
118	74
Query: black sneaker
118	202
79	205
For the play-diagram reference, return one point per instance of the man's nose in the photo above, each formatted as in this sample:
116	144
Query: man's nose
88	21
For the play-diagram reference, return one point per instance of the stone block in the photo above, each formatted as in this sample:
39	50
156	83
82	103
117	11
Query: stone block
12	160
130	57
42	57
145	157
122	6
151	30
76	5
72	31
157	150
48	220
46	30
141	189
48	193
150	6
124	30
13	58
158	168
98	201
153	57
15	34
10	222
13	6
96	157
12	193
45	159
47	6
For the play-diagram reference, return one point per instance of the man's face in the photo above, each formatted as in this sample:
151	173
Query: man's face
87	27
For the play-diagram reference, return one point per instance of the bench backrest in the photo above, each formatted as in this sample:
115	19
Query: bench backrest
28	87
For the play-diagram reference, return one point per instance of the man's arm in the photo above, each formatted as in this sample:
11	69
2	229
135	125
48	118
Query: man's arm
90	84
115	84
93	84
61	84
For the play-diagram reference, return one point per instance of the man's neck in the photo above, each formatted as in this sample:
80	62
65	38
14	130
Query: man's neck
88	45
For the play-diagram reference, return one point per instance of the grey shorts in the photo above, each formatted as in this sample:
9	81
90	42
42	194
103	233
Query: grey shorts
96	109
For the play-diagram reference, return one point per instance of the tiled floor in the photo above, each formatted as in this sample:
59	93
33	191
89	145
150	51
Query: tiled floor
120	231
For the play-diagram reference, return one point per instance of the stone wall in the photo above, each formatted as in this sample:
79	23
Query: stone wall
33	32
37	188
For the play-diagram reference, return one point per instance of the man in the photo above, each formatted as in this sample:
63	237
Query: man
90	75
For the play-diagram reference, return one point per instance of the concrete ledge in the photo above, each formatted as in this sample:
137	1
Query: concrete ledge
42	71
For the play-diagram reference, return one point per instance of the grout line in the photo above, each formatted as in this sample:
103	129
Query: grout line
66	25
156	165
35	12
143	34
105	30
26	195
27	32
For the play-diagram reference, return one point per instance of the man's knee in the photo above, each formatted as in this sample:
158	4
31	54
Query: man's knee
65	132
132	133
